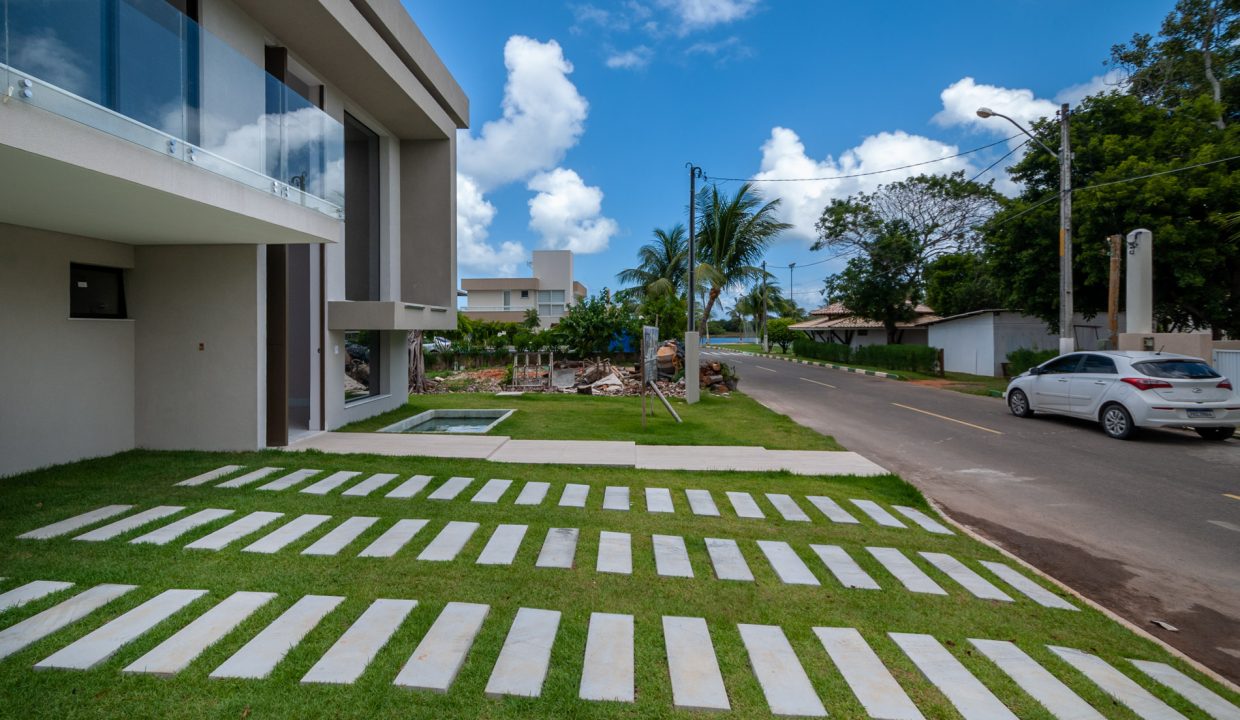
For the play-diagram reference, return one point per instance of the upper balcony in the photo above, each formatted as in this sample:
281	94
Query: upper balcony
142	73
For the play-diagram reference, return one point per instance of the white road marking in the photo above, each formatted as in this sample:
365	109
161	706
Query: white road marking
765	368
944	417
1225	525
821	383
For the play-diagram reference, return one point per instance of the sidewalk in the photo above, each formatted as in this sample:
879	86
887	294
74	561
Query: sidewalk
589	452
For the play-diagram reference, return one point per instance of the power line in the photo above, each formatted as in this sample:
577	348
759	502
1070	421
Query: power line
867	174
993	164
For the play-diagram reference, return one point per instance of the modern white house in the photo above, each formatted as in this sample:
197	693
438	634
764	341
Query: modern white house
978	342
550	291
221	219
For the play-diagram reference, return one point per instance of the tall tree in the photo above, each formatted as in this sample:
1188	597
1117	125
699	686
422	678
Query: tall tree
960	283
735	234
881	283
662	267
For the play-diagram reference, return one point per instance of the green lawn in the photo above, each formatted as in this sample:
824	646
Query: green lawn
733	420
145	479
960	382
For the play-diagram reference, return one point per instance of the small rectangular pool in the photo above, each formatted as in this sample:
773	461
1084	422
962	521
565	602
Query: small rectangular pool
450	421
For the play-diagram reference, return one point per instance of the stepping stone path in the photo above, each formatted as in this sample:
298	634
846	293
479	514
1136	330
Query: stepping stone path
249	478
607	673
502	548
844	568
905	571
867	677
236	530
168	533
1193	691
574	495
615	553
492	491
702	503
439	657
966	693
671	559
393	539
33	629
207	477
64	527
783	680
787	507
290	480
410	487
257	658
345	661
448	543
286	534
177	652
451	488
969	580
369	485
616	498
30	592
124	525
832	510
533	493
1117	685
697	683
101	644
340	536
729	563
1027	587
925	521
878	514
523	661
659	500
559	548
331	482
787	564
745	506
1035	680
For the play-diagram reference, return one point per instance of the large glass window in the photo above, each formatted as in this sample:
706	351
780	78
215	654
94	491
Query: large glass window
550	303
361	210
1059	366
1098	364
362	364
96	292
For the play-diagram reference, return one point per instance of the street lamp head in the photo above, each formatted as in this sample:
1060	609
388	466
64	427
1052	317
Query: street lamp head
984	112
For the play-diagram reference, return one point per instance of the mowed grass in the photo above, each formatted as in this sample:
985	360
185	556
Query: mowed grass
146	479
733	420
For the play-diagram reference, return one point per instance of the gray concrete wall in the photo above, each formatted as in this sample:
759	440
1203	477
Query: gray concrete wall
212	398
428	222
67	388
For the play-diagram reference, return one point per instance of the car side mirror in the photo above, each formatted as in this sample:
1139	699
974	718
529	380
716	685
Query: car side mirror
1035	370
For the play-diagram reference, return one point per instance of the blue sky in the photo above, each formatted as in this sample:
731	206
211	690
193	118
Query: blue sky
583	114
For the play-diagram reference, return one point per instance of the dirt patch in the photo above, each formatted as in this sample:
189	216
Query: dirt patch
1205	634
934	382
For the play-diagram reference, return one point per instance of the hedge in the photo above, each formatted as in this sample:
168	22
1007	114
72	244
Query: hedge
914	358
1021	359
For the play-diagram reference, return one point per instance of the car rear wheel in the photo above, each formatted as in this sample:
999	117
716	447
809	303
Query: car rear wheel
1216	433
1018	403
1116	422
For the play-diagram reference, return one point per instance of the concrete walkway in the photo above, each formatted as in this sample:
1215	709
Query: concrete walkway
592	452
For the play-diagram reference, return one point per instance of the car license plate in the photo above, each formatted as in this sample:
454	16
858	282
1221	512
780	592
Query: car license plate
1201	413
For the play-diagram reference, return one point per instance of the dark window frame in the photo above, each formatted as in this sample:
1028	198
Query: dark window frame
122	310
1092	363
1047	368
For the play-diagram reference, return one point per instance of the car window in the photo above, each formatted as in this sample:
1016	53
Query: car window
1065	364
1176	369
1098	364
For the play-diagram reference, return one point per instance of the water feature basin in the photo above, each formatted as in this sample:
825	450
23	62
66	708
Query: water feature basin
450	421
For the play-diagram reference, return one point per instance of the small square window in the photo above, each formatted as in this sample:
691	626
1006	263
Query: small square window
525	294
96	292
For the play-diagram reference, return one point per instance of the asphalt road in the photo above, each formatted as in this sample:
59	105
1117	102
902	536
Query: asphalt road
1149	528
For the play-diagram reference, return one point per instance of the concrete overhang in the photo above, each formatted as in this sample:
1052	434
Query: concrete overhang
499	284
66	177
388	315
341	45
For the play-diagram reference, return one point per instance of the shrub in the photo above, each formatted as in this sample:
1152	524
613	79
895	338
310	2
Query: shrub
914	358
1021	359
831	352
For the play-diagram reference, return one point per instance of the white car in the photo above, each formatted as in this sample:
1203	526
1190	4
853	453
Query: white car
1126	390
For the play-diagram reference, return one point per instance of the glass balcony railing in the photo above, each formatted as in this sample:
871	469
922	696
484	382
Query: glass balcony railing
142	71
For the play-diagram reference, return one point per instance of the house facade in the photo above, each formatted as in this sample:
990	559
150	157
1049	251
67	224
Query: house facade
222	218
835	323
550	291
978	342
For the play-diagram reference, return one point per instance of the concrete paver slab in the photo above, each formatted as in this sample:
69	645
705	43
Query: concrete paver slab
615	553
257	658
234	531
450	489
905	571
289	480
607	672
744	505
35	628
410	487
347	659
101	644
331	482
697	683
502	548
701	503
787	507
448	543
832	510
439	657
976	584
671	558
492	491
878	514
249	478
926	522
659	500
574	495
30	592
568	452
68	525
1117	685
393	539
844	568
172	531
340	536
533	493
729	563
1193	691
784	683
286	534
787	564
559	548
124	525
1035	680
1027	587
183	647
867	677
966	693
523	661
616	498
207	477
369	485
478	447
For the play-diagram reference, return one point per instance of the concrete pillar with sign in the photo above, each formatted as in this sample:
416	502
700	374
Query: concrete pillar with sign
693	391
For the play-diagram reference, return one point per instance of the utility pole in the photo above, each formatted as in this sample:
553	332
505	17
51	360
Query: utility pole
1067	338
765	347
695	172
792	294
1113	291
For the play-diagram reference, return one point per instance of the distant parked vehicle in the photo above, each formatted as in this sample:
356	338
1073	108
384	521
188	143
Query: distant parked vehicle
437	344
1126	390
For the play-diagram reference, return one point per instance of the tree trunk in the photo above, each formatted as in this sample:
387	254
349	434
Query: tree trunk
1208	59
891	332
710	304
417	364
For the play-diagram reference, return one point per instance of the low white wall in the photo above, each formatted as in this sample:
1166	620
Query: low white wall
66	385
968	344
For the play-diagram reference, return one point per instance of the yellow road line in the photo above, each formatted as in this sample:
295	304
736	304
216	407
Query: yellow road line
820	383
944	417
764	368
1233	497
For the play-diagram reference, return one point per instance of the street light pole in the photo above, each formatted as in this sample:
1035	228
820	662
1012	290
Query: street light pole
765	346
1067	339
792	295
695	172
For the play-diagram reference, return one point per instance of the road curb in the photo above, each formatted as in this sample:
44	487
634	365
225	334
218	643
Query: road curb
797	361
1125	622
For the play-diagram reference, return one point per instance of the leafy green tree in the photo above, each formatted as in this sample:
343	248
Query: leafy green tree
668	313
881	283
662	265
779	332
735	234
590	326
530	320
960	283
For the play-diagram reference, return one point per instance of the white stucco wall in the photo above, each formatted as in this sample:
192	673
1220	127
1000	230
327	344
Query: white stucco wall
968	344
66	391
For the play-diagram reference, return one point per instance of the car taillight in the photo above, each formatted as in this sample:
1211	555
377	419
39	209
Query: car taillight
1225	385
1146	383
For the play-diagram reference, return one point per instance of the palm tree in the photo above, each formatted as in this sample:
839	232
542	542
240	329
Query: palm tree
662	268
734	236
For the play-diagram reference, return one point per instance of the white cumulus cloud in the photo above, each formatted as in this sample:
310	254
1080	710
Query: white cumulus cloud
699	14
637	58
962	98
567	213
473	221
